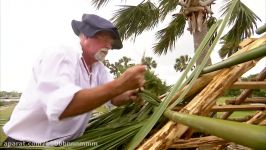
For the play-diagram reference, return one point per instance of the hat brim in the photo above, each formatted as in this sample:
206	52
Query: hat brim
80	27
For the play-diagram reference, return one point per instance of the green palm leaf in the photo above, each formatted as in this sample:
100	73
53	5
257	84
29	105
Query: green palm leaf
244	24
133	20
167	6
99	3
168	35
212	20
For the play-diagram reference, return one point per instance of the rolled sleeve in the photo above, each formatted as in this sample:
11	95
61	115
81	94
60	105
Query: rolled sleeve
59	100
56	83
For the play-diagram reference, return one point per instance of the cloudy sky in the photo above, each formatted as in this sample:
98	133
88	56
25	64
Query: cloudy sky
30	26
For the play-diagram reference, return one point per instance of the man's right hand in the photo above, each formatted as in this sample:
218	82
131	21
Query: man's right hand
132	78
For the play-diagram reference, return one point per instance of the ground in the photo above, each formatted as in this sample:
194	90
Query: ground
5	112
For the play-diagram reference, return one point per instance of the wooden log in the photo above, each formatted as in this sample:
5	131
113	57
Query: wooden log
200	83
257	118
249	85
237	108
240	119
263	123
246	42
241	98
248	100
198	142
178	108
203	102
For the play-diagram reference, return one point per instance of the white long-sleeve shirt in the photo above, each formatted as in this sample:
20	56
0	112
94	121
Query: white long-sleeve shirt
56	76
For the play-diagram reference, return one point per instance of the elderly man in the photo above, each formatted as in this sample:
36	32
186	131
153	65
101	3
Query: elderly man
66	86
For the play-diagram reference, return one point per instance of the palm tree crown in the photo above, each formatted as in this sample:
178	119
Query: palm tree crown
133	20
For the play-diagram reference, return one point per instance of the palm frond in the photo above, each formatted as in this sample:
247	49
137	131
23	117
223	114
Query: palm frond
99	3
168	35
212	20
244	24
133	20
113	129
167	6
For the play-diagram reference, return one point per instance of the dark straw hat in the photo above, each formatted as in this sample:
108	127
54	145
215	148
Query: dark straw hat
91	24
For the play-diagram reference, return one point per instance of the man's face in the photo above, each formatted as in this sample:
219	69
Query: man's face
97	47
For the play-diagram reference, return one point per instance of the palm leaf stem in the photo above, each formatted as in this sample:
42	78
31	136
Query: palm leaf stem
255	53
249	135
261	29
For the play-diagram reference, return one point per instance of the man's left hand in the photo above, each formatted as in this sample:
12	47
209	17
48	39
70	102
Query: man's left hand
128	96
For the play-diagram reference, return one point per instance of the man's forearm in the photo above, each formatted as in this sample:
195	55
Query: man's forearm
89	99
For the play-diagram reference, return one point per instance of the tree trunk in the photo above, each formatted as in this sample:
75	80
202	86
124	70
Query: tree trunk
198	37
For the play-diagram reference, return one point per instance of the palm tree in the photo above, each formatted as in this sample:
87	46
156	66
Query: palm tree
181	63
133	20
124	63
244	25
119	67
149	62
153	83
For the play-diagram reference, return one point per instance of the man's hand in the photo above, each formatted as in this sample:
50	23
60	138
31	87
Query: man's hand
132	78
125	97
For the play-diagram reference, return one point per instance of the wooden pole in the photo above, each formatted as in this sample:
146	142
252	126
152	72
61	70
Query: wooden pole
249	85
257	118
248	100
241	119
200	84
241	98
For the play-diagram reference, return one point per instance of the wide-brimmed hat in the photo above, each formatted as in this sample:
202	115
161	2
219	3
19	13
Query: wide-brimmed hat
91	24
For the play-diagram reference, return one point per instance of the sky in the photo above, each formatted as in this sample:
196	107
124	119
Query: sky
30	26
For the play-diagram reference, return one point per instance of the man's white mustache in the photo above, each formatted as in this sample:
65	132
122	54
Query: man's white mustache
101	54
